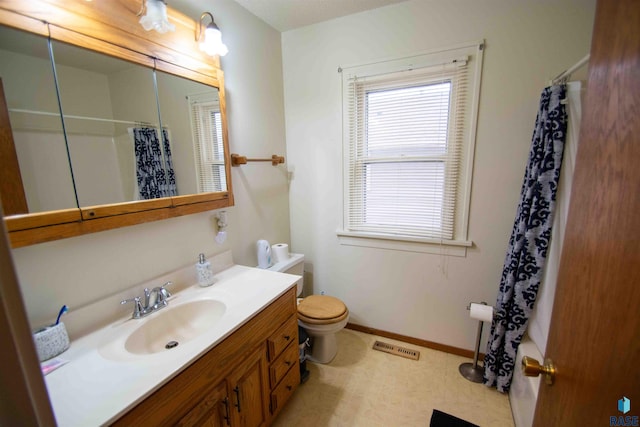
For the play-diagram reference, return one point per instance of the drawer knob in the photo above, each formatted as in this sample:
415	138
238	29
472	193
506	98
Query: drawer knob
286	362
289	387
287	337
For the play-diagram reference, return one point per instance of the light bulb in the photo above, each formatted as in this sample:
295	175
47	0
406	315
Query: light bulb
221	237
212	43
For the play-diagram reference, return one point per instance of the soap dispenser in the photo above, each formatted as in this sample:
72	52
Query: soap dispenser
205	275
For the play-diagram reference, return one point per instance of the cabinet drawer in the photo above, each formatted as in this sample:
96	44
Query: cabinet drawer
281	394
279	340
283	363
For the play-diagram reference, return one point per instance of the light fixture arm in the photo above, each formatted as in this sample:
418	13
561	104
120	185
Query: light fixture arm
211	37
199	26
143	7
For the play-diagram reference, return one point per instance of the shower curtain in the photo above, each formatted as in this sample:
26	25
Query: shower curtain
527	250
154	181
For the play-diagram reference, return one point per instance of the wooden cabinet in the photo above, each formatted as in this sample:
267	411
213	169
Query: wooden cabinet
237	400
284	390
280	367
112	28
211	411
284	366
243	381
249	407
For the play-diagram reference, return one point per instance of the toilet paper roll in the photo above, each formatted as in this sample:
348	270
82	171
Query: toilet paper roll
280	252
481	312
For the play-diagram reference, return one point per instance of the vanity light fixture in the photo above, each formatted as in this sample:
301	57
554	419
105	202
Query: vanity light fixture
155	17
211	43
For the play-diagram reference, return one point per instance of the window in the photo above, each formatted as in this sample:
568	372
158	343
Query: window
409	134
207	129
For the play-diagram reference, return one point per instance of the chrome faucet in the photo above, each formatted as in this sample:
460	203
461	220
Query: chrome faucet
154	300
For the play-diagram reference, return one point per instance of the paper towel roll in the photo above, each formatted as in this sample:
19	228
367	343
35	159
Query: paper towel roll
280	252
481	312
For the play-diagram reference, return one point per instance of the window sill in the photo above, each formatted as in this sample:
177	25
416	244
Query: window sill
408	244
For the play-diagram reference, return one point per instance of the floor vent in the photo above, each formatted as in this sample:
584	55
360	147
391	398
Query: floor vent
396	350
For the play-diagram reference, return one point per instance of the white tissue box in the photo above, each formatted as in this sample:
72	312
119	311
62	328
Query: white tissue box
51	341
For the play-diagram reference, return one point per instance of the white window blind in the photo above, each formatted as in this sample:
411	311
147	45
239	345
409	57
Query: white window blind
209	151
406	134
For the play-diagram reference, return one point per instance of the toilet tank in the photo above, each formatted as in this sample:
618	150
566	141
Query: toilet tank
293	265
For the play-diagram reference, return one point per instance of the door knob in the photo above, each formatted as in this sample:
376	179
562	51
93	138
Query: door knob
532	368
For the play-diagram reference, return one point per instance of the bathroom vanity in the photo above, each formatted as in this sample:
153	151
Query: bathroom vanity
240	369
243	381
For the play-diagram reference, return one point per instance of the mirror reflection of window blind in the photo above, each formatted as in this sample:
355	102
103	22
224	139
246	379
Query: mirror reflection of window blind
209	151
405	142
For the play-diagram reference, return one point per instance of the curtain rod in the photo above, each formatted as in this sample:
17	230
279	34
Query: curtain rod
461	46
68	116
567	73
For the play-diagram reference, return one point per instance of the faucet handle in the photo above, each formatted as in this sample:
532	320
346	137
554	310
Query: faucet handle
163	290
137	306
147	297
161	294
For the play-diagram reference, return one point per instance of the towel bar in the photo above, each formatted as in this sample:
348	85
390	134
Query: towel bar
237	160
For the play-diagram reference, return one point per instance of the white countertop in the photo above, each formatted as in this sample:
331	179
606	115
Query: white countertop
96	388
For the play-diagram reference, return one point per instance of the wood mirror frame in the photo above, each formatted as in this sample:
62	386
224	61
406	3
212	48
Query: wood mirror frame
112	28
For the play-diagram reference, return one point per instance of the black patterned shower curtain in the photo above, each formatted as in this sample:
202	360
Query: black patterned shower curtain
171	188
526	255
154	181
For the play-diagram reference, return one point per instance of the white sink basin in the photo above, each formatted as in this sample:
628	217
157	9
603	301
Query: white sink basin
174	326
167	329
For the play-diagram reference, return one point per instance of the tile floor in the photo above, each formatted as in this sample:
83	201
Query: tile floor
366	387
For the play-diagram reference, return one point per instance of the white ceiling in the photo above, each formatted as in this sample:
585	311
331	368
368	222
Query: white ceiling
284	15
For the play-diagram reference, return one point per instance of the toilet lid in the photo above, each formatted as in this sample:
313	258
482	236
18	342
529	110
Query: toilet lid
321	307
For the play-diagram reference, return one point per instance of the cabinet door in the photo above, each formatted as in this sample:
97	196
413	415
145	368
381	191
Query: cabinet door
212	411
249	382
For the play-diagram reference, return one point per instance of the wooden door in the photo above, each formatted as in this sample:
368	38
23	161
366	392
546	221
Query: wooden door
211	411
594	339
249	390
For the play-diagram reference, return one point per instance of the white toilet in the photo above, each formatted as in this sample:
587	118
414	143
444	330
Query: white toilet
320	315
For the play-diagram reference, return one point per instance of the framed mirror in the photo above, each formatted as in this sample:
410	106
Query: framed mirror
35	165
111	126
121	88
192	121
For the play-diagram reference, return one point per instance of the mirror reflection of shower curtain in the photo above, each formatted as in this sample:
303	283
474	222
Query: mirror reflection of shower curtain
152	179
172	188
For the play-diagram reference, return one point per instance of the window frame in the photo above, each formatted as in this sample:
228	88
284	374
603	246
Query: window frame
203	107
457	245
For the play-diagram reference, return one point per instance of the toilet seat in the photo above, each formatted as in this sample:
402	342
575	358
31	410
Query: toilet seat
322	310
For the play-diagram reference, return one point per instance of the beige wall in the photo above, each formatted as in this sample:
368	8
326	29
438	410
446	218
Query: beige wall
421	295
416	294
84	269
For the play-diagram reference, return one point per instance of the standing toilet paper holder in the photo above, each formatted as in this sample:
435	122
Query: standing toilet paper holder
472	371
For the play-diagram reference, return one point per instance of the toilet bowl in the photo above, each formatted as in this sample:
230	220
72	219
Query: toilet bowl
322	316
